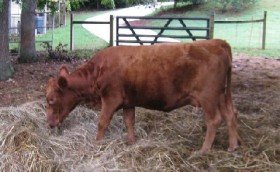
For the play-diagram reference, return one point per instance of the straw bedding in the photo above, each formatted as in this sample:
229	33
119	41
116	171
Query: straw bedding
164	141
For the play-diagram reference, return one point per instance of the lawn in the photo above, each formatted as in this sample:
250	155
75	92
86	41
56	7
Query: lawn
244	38
85	42
83	39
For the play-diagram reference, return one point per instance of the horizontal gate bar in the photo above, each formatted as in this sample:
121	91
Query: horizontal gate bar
162	36
89	22
165	28
162	18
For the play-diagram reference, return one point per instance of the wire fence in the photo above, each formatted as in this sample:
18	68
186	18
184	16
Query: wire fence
250	35
243	33
45	23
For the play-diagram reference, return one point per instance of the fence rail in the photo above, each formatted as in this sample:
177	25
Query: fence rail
132	36
237	21
263	20
72	23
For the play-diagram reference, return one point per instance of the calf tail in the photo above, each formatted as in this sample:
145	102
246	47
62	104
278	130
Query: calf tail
229	101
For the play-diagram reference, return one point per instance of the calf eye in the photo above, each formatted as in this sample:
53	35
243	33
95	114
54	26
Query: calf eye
50	101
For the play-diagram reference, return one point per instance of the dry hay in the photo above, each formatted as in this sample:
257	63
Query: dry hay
165	142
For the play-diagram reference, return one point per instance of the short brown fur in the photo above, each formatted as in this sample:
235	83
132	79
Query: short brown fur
161	77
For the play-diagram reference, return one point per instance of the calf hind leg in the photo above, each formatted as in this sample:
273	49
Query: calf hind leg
129	120
229	114
213	120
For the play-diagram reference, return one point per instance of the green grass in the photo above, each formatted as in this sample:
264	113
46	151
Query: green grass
83	39
244	38
85	43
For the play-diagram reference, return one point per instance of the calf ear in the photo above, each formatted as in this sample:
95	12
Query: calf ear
62	78
62	82
63	71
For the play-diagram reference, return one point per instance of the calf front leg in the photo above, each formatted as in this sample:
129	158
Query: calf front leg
109	106
129	120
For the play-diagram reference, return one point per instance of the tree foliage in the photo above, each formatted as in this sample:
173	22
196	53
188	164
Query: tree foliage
235	5
122	3
75	4
1	5
193	2
110	4
52	4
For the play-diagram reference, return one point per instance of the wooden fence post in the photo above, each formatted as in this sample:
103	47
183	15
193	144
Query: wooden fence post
211	25
264	30
71	33
111	30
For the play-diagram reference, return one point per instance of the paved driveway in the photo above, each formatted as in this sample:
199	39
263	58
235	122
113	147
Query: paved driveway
102	31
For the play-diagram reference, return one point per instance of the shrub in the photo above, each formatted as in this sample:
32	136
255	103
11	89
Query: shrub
122	3
235	5
193	2
109	4
59	53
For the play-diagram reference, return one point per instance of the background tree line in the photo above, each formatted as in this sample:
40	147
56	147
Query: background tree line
224	5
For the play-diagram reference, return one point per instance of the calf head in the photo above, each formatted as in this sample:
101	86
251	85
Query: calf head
60	99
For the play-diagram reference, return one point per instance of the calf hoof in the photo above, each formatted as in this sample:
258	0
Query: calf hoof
130	141
203	151
99	137
232	149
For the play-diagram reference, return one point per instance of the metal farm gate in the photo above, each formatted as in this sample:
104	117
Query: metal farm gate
134	30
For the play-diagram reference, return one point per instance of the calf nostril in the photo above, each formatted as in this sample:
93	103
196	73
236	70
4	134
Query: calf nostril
51	126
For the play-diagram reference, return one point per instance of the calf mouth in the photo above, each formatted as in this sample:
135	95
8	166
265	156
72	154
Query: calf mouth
54	129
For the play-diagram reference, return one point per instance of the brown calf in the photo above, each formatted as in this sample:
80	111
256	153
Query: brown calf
161	77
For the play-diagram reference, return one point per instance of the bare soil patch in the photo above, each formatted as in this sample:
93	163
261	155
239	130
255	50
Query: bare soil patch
165	141
29	81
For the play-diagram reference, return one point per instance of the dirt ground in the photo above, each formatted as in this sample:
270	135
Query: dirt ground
29	81
253	74
164	142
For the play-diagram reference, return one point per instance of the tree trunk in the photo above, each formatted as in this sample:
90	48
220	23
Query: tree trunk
175	3
6	69
27	39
